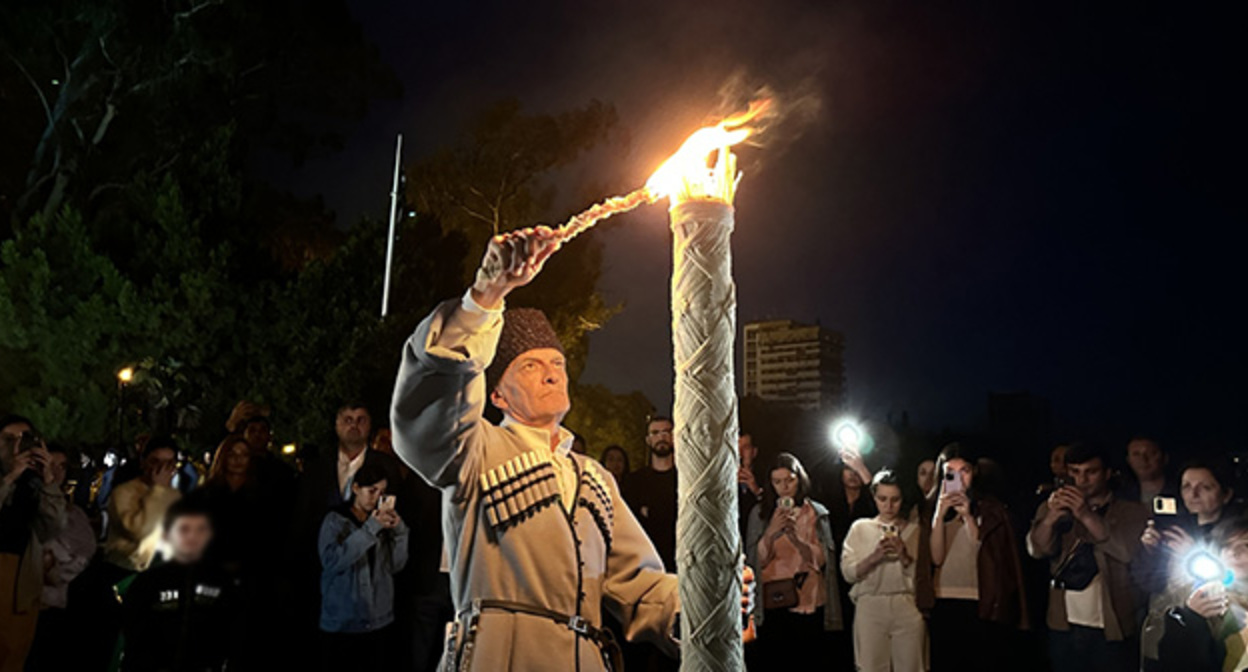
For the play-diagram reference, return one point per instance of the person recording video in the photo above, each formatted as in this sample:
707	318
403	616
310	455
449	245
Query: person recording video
362	544
789	543
1205	626
1173	538
1090	538
975	591
32	512
878	559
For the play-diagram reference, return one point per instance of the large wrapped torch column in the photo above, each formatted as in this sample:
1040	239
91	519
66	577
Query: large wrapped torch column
708	544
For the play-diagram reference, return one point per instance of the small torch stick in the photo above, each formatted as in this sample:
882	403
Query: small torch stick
600	211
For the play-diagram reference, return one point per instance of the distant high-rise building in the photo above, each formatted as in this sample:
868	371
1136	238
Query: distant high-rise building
794	363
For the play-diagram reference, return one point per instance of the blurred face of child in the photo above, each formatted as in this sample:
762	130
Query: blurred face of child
188	537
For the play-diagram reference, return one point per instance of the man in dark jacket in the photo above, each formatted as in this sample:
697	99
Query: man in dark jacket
177	616
327	480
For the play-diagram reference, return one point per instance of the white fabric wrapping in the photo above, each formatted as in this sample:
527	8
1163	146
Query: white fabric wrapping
708	544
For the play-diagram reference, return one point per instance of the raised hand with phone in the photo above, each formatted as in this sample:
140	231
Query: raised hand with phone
956	476
1079	501
385	513
24	452
362	544
954	485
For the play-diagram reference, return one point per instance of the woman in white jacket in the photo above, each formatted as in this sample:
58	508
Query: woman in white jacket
878	559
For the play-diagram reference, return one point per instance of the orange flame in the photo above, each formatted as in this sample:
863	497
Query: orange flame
688	174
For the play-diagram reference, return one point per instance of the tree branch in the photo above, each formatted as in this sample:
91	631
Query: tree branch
47	109
195	9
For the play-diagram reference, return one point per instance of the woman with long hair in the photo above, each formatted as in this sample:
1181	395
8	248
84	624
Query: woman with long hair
789	545
969	573
878	558
231	496
231	464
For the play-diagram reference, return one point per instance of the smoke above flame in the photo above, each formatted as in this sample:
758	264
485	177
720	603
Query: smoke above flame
689	173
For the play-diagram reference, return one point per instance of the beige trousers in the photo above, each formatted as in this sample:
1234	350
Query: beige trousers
889	634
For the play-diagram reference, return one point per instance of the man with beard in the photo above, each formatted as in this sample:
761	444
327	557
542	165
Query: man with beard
651	490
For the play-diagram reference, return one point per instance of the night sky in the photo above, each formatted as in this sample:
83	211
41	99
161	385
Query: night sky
991	197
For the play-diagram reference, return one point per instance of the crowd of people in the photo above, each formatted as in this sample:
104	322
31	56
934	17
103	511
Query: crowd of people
1144	569
248	561
506	546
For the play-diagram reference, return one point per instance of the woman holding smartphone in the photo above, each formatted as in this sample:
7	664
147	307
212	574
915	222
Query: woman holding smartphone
878	558
975	585
363	544
1170	541
789	544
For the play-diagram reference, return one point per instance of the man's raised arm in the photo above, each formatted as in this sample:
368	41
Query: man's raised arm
439	395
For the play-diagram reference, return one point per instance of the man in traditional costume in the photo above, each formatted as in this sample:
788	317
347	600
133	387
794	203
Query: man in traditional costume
538	538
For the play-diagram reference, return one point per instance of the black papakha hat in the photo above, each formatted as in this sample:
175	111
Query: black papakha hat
524	329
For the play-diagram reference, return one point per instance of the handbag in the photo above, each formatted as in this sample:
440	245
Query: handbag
1077	568
782	594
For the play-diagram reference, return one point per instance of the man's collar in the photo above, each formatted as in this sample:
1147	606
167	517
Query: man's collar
539	435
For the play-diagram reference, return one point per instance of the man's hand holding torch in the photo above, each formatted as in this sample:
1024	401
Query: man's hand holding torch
512	260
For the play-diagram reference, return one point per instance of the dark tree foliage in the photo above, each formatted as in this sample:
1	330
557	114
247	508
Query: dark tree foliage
135	235
134	232
97	91
498	176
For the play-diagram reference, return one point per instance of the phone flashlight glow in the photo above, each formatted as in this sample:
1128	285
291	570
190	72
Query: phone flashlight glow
847	435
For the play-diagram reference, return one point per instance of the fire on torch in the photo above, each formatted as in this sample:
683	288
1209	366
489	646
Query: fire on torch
686	172
708	545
